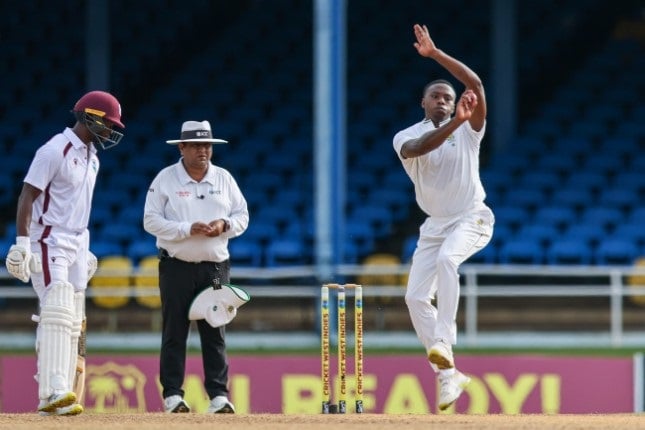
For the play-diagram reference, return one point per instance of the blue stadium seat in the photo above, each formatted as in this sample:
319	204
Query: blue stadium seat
558	216
285	252
636	215
621	198
576	198
511	216
378	217
520	251
604	164
592	181
590	234
633	180
496	182
361	234
569	251
141	248
542	233
102	248
280	216
396	201
557	163
245	252
262	231
541	179
617	251
572	146
529	198
606	217
634	231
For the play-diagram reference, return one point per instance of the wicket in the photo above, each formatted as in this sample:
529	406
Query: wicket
327	405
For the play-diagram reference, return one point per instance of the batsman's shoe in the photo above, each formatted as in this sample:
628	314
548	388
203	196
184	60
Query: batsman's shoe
56	401
220	405
450	388
441	355
175	405
67	411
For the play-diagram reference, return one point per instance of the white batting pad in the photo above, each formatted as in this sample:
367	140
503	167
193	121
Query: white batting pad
77	324
55	337
218	306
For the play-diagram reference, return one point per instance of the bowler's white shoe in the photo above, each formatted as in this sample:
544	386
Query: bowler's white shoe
175	405
441	355
220	405
55	401
450	388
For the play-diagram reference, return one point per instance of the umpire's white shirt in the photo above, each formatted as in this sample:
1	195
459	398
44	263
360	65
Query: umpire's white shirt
62	171
446	180
175	201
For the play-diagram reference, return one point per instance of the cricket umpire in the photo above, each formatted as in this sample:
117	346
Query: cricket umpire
193	208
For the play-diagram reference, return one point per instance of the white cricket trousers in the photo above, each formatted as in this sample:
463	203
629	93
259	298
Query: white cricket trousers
444	243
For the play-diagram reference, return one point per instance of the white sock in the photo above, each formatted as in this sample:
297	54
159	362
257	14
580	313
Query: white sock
445	373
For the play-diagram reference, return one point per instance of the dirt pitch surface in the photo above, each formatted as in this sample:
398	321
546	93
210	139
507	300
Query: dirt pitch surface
160	421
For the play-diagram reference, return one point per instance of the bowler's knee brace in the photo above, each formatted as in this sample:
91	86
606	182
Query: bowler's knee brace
54	339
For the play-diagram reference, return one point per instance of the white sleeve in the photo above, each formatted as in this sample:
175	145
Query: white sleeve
154	221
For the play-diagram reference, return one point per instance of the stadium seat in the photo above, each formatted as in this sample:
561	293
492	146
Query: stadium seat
541	179
378	217
146	281
511	216
603	164
521	251
285	252
634	231
603	216
105	248
141	247
560	217
261	230
576	198
636	215
543	233
556	163
245	252
529	198
616	251
592	181
589	234
621	198
361	234
569	251
113	273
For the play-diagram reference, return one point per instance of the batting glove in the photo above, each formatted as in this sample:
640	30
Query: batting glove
21	262
92	264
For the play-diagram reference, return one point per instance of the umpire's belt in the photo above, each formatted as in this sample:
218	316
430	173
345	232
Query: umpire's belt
163	255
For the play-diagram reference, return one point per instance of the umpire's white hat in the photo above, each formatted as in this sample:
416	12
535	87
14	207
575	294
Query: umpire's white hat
218	306
196	131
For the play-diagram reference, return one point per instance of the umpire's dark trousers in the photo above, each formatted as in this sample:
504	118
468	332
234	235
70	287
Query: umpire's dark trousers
179	284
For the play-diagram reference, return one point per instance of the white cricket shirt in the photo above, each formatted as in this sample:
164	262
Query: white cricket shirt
62	171
446	180
175	201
